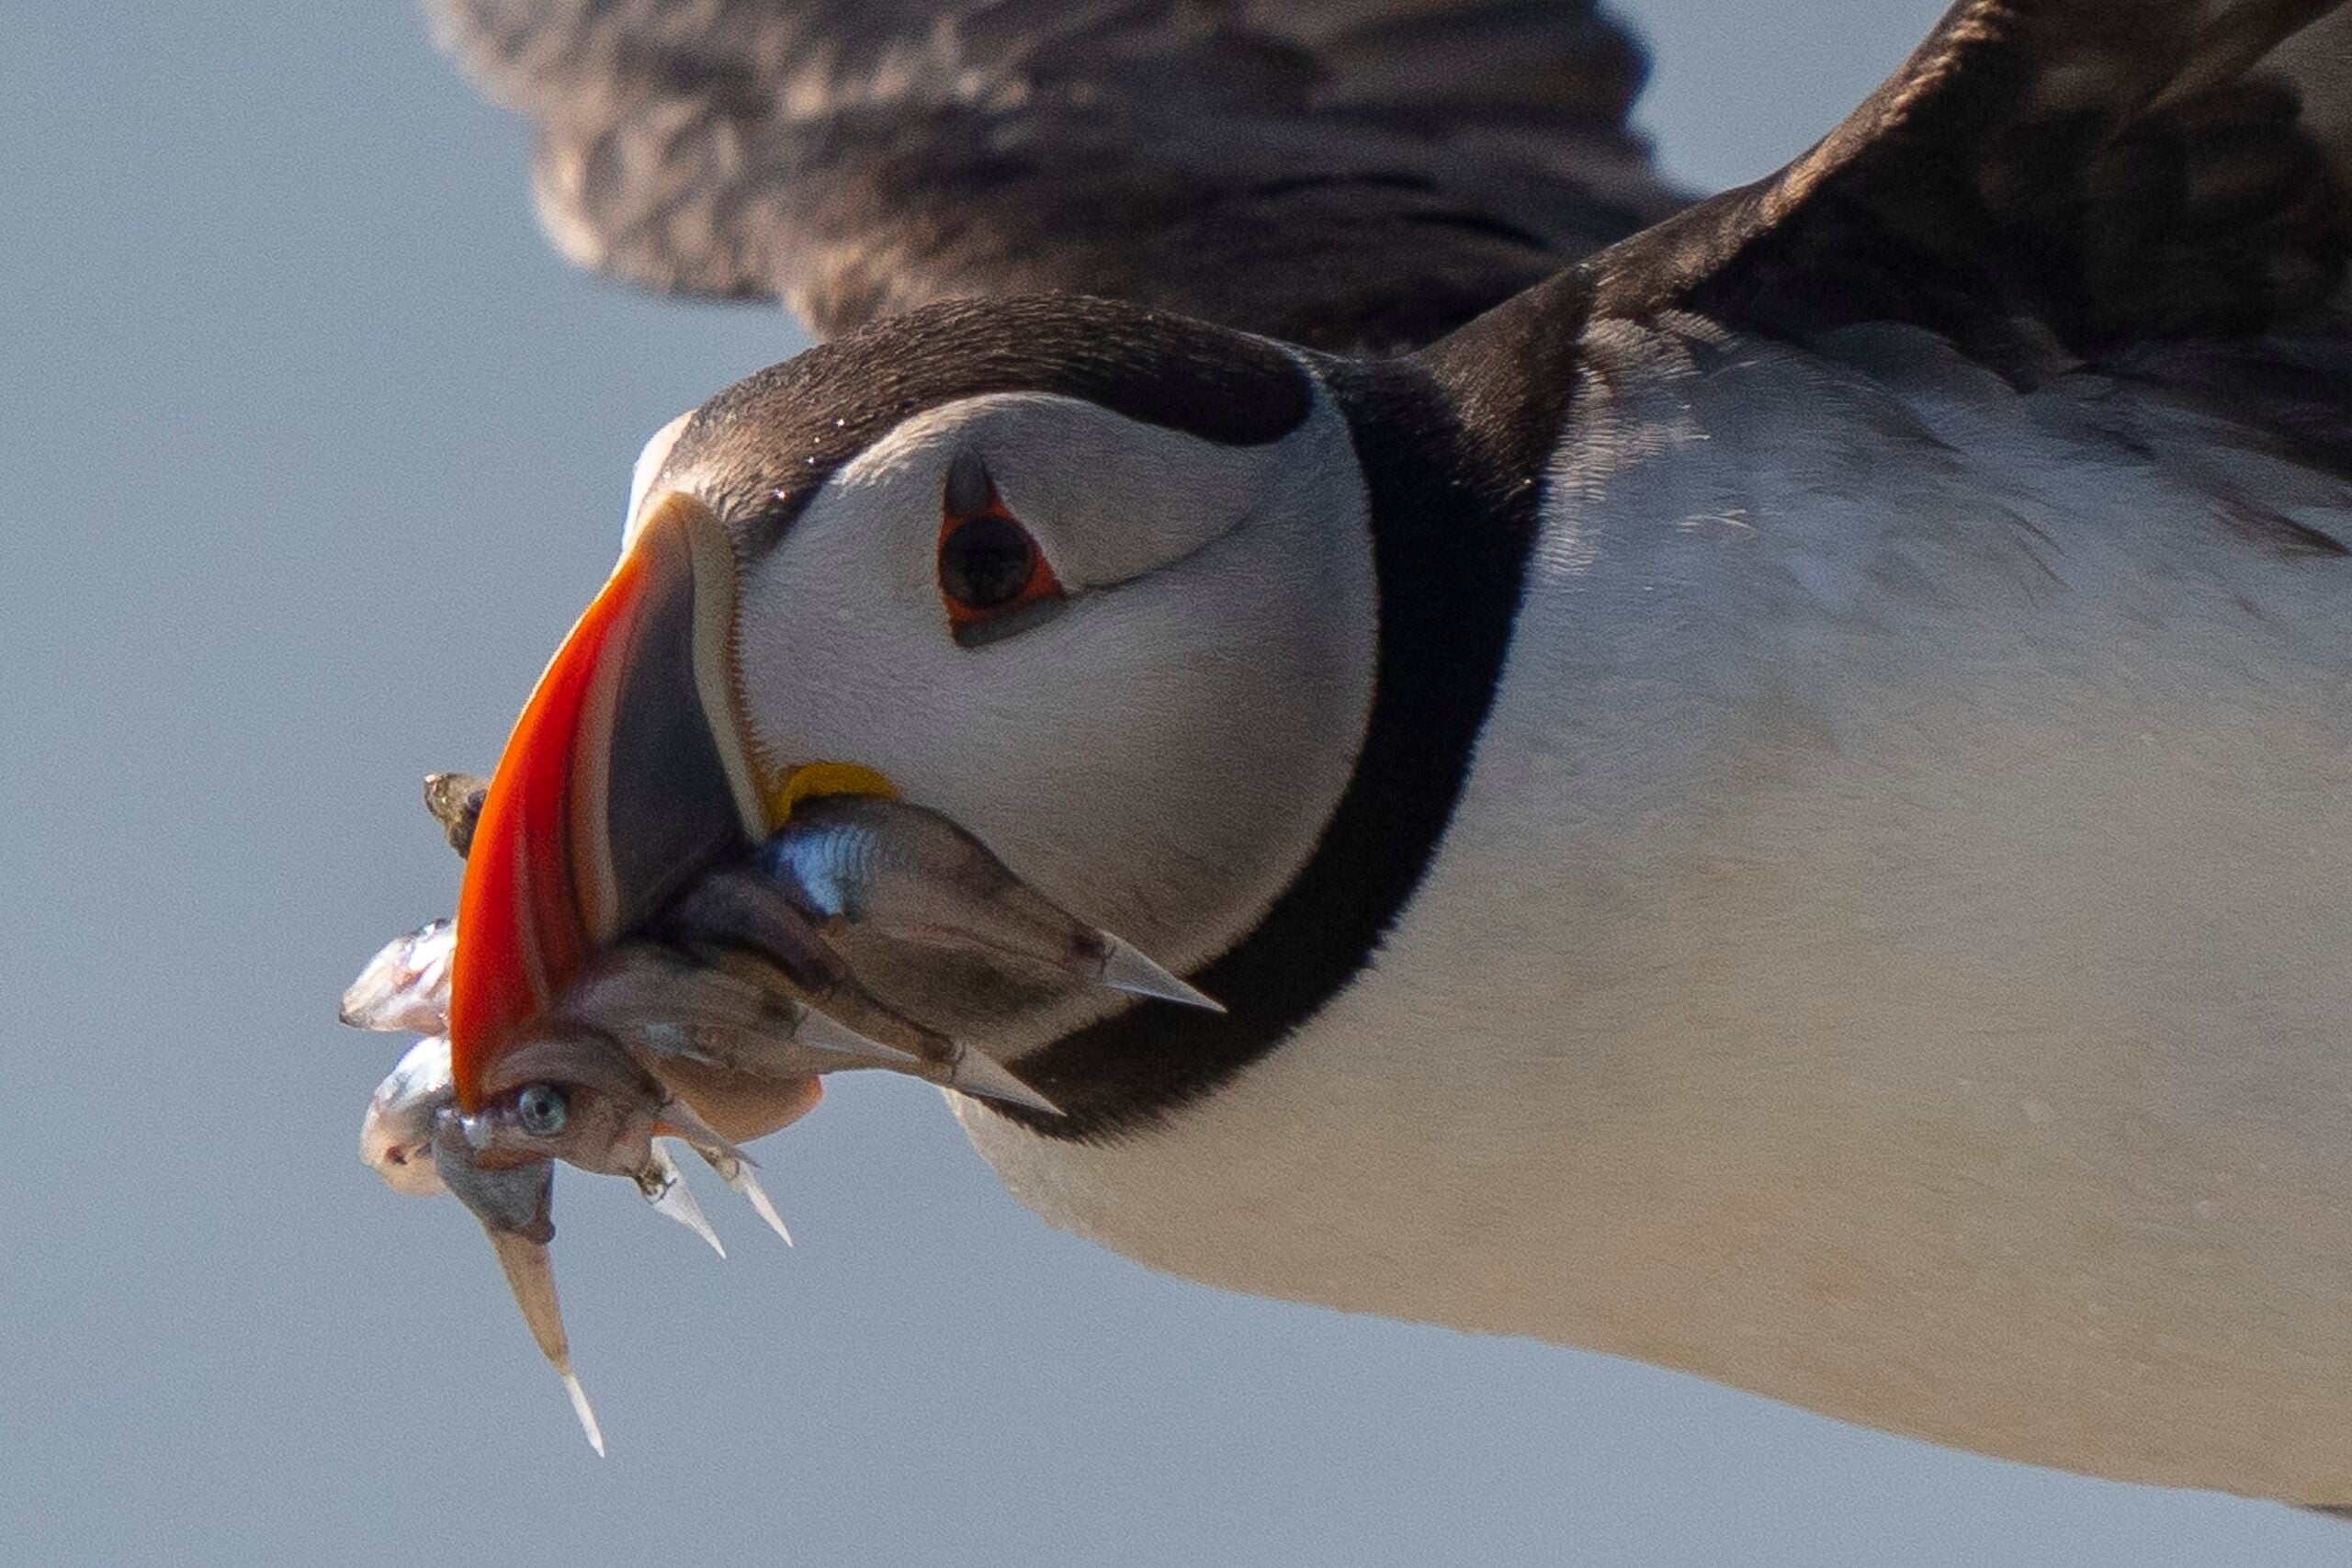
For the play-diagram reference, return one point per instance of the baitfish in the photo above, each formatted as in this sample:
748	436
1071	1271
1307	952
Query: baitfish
714	1025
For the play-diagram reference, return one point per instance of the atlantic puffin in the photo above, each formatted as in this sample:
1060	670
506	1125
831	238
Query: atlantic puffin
1764	781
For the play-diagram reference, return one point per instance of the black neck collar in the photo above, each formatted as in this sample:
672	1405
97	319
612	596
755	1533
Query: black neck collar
1452	442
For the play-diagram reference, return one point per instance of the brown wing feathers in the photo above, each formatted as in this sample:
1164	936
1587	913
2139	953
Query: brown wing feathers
1340	174
2107	173
2043	179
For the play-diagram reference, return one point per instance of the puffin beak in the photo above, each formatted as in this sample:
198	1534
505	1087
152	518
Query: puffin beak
626	775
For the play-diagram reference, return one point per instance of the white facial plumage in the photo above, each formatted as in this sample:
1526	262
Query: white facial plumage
1163	749
640	477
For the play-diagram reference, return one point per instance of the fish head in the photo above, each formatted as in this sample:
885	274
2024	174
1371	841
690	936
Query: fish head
406	987
567	1094
397	1135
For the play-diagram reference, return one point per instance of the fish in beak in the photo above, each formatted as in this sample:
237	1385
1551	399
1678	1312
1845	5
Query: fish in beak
584	1101
659	937
863	866
417	1139
578	1097
406	987
513	1202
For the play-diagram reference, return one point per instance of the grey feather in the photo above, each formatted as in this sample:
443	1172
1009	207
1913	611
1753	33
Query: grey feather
1337	172
2077	193
2042	181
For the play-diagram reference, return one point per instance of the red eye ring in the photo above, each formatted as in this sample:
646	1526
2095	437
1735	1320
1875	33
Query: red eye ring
988	565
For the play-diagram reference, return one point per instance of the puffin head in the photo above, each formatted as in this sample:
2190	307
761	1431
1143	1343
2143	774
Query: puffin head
1093	581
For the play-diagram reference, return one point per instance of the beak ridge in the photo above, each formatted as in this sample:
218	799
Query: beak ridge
627	772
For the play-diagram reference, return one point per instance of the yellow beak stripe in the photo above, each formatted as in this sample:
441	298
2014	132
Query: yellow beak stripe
812	779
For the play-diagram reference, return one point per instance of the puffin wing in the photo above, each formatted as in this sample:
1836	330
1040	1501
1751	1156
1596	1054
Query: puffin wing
1346	174
2080	195
2046	180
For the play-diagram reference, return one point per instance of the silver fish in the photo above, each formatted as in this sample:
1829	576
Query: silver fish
595	1108
913	874
756	953
406	987
579	1098
413	1137
514	1204
396	1139
717	1024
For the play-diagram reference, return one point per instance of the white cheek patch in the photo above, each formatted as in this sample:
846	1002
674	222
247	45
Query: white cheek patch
1107	498
640	477
1160	757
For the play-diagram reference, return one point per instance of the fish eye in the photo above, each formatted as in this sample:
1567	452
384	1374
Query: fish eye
542	1110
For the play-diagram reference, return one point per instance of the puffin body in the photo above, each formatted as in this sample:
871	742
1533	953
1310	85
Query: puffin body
1760	781
1887	953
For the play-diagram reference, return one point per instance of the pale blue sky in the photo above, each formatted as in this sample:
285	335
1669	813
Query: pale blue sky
313	450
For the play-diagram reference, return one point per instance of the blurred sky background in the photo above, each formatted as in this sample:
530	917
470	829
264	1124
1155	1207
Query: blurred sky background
312	450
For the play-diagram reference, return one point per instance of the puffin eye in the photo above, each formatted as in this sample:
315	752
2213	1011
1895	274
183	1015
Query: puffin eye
542	1110
989	566
987	562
